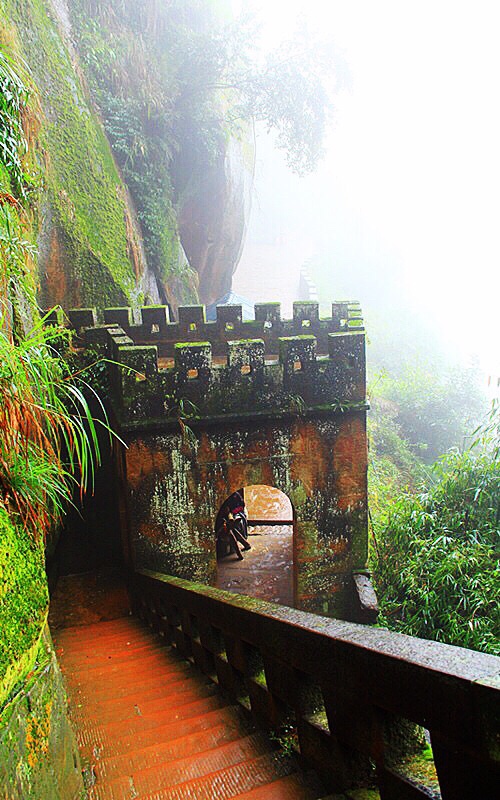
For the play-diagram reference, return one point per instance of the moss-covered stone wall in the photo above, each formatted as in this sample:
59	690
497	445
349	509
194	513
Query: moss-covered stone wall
177	484
152	71
144	196
38	755
23	603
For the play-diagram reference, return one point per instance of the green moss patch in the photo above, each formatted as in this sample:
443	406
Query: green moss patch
23	603
139	117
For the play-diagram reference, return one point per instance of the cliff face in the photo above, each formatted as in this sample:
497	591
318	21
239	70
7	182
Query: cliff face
89	244
138	203
213	218
149	68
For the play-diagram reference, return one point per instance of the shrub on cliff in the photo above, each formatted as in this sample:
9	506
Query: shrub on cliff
436	555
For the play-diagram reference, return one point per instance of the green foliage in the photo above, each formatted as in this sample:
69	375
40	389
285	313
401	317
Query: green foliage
86	205
48	439
23	600
487	434
392	466
13	97
286	738
436	552
173	82
17	287
48	433
135	86
432	409
16	178
288	93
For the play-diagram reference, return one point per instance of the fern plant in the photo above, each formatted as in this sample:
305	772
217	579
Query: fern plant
13	144
48	437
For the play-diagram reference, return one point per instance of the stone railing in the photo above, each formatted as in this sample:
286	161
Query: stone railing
340	692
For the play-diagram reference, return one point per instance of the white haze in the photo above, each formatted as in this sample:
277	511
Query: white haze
411	181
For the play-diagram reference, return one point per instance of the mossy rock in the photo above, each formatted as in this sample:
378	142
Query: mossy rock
83	237
23	603
38	754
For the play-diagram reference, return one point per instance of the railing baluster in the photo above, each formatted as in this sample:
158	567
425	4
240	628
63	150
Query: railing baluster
461	776
340	691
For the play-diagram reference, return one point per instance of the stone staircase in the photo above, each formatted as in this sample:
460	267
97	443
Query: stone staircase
149	726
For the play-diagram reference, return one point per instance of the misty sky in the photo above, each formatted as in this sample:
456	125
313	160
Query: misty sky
413	165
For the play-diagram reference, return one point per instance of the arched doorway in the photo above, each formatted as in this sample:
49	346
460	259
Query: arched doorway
266	570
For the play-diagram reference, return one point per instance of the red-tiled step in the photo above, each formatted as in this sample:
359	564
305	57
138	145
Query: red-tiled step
93	733
161	752
151	728
230	782
128	708
105	680
190	768
129	743
292	787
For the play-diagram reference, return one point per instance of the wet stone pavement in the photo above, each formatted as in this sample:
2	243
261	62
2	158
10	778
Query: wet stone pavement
266	571
88	598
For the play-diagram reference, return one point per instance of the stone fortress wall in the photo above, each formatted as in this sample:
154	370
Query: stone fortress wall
208	408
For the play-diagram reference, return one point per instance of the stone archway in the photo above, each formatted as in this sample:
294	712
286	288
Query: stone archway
176	487
267	571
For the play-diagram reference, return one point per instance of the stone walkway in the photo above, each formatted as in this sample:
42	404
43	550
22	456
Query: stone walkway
266	570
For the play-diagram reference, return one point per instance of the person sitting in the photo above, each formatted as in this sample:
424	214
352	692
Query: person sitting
229	535
236	505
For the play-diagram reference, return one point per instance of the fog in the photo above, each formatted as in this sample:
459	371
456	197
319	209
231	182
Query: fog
403	212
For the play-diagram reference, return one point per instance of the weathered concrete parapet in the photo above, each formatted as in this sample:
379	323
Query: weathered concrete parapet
298	357
246	353
306	313
193	368
82	318
268	313
191	318
156	318
119	316
229	318
138	362
347	355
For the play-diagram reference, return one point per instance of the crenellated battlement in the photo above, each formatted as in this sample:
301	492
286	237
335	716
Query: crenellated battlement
151	325
226	367
244	382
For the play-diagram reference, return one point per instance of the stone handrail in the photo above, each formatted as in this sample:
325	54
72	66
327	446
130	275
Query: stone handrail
342	689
